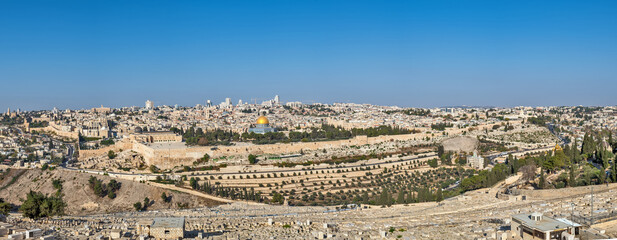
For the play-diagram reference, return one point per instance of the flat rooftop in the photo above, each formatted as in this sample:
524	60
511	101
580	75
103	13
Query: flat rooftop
168	223
545	224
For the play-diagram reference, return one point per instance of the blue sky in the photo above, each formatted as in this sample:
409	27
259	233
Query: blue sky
80	54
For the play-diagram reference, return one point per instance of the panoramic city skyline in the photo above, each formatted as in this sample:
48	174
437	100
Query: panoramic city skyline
213	120
75	54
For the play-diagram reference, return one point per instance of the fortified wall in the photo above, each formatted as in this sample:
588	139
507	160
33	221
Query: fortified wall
56	129
117	147
168	155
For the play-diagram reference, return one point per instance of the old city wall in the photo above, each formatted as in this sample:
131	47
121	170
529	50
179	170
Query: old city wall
54	130
117	147
169	157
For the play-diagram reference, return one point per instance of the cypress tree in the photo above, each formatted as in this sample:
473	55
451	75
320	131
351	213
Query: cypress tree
614	170
572	179
401	197
542	180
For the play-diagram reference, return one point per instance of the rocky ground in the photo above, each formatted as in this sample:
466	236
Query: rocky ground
80	198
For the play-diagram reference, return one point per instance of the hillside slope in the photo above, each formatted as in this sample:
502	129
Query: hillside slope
80	198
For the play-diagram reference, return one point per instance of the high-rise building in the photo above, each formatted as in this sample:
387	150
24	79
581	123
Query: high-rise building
277	100
149	104
8	111
293	104
227	103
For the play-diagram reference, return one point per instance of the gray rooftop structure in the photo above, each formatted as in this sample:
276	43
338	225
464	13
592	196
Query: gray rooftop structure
168	222
537	226
541	223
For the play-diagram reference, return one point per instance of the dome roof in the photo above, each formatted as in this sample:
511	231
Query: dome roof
263	120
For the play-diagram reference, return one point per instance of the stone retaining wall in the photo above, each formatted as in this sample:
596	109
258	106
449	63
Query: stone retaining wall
117	147
551	193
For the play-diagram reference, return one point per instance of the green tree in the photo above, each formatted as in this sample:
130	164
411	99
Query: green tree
385	198
572	177
99	188
114	185
205	158
252	159
277	198
164	197
588	145
193	183
111	154
614	170
401	197
5	207
137	206
440	151
38	205
146	203
439	195
433	163
542	182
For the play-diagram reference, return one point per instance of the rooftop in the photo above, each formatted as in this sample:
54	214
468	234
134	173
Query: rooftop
168	222
544	223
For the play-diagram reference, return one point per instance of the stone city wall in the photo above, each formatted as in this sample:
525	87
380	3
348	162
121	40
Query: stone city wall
53	129
117	147
170	157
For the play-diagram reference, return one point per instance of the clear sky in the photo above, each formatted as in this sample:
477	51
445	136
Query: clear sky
81	54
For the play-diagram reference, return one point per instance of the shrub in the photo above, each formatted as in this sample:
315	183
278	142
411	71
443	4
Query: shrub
111	154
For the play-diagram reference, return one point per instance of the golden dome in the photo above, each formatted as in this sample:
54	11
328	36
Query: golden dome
557	148
263	120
